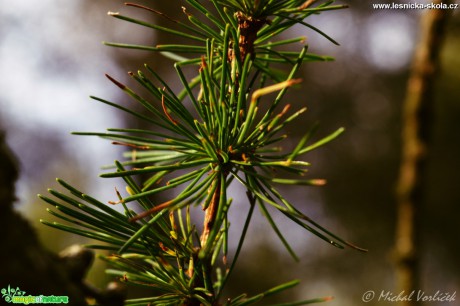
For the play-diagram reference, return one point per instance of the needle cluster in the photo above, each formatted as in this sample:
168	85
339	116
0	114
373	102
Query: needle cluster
225	126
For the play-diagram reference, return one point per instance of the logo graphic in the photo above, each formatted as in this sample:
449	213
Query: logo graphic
9	293
17	296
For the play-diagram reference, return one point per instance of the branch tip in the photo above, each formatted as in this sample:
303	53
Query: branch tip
115	82
307	4
319	182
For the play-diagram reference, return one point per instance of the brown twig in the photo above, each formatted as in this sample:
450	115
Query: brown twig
248	27
210	213
417	115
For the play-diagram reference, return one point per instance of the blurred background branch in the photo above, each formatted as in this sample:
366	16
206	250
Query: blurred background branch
417	130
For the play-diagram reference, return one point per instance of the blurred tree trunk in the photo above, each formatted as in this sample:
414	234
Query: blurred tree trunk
25	263
416	129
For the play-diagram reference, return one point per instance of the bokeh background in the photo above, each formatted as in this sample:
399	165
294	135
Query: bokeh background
52	59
